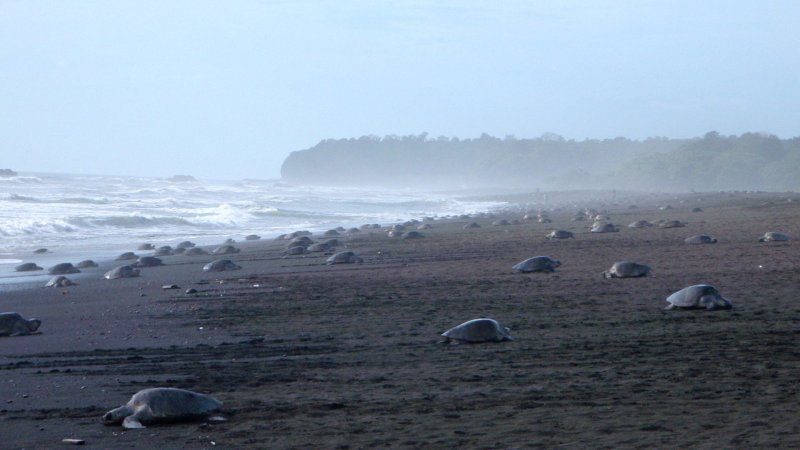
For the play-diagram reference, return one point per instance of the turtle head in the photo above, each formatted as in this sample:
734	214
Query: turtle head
34	324
116	415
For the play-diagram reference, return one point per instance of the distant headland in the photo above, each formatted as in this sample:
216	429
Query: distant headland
7	173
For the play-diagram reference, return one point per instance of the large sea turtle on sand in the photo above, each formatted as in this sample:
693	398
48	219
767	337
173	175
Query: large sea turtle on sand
27	267
146	246
559	234
165	250
162	405
478	330
471	225
252	237
148	261
672	224
347	257
537	264
412	235
12	324
627	269
603	228
698	296
221	265
59	281
640	224
63	269
700	239
195	251
186	244
319	247
127	256
296	250
225	250
86	264
774	236
121	272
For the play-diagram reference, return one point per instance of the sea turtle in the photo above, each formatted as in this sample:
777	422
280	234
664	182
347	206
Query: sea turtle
186	244
347	257
603	228
12	324
627	269
148	261
162	405
340	229
774	236
698	296
40	251
394	233
665	207
471	225
27	267
478	330
537	264
121	272
501	223
63	269
300	240
85	264
146	247
252	237
127	256
333	242
195	251
296	250
165	250
640	224
398	227
559	234
671	224
353	231
412	235
700	239
294	234
318	247
424	226
179	251
59	281
221	265
229	241
225	250
697	210
330	233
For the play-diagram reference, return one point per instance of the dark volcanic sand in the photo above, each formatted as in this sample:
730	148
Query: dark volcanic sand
307	355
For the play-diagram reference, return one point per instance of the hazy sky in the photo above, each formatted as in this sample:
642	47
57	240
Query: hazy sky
226	89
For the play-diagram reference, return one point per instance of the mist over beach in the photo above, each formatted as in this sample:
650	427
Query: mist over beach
400	224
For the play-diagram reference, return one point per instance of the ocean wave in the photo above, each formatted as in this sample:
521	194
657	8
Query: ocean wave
67	200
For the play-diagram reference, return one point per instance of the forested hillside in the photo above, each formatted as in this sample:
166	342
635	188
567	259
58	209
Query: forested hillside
713	162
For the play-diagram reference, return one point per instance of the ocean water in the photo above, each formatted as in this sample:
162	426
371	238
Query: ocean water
97	217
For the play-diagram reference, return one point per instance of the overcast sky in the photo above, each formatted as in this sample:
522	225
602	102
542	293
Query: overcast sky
226	89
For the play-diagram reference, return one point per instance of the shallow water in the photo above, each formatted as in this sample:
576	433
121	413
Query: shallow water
97	217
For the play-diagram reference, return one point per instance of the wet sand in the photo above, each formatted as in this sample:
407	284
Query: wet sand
306	355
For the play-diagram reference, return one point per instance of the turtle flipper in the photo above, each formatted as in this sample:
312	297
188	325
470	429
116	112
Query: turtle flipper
132	423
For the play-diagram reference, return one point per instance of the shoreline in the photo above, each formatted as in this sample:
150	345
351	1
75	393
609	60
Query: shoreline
303	354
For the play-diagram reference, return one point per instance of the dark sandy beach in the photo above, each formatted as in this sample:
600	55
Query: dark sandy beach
306	355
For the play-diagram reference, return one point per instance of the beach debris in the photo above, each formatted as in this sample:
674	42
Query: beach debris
774	236
13	324
640	224
73	441
63	269
191	291
127	256
700	239
27	267
196	251
40	251
121	272
478	330
225	250
252	237
220	265
559	234
537	264
627	269
347	257
162	405
170	286
698	296
148	261
59	281
85	264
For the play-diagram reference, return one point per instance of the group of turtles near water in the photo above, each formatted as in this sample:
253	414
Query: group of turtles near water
170	404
